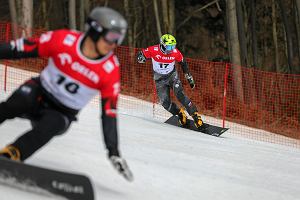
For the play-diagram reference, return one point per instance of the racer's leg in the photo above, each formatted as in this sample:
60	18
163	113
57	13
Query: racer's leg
51	123
23	100
185	101
163	93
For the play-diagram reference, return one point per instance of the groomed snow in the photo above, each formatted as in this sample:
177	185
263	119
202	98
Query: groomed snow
168	162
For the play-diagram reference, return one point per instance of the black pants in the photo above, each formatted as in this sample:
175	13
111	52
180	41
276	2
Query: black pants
48	120
163	87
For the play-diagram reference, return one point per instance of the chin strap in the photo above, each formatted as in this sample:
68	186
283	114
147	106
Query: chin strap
162	49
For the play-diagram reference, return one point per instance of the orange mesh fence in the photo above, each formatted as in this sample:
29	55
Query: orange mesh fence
252	103
264	100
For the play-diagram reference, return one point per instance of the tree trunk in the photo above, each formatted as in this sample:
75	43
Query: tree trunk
274	28
288	34
234	48
241	33
146	25
168	10
72	14
225	21
45	13
61	17
298	8
253	33
172	17
135	27
128	17
87	7
156	13
13	16
81	14
165	15
298	23
27	19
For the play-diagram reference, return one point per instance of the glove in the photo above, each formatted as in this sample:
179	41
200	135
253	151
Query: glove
190	79
121	166
141	58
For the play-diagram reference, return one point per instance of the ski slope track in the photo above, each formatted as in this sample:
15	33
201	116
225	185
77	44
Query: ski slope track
168	162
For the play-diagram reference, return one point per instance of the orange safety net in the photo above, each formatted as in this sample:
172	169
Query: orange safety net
225	94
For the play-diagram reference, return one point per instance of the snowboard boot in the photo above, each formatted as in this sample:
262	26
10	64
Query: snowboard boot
197	120
182	117
11	153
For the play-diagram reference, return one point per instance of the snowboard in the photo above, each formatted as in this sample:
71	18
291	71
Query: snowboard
45	181
207	128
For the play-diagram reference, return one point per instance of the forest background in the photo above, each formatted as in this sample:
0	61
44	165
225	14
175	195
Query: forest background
260	34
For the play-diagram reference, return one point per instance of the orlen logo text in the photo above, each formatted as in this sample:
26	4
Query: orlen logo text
66	187
67	59
165	57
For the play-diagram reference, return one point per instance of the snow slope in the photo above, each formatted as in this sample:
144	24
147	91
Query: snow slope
169	163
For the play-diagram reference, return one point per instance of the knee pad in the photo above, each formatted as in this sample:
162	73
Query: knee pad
177	87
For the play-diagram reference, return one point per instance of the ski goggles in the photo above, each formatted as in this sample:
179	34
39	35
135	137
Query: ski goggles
110	36
170	47
114	37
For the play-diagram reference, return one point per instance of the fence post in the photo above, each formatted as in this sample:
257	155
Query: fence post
154	97
225	92
5	66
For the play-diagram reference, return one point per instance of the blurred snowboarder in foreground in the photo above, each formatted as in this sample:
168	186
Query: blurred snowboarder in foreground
80	65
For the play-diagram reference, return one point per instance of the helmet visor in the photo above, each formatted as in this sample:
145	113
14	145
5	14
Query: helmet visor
114	37
170	47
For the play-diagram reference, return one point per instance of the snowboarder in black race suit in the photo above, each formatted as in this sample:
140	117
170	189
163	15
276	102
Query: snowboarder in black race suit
80	65
164	56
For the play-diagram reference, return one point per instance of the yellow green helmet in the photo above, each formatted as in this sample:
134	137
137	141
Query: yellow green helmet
167	43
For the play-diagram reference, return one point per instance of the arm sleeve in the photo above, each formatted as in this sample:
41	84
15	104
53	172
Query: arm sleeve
27	47
184	66
146	52
179	58
21	48
109	97
109	125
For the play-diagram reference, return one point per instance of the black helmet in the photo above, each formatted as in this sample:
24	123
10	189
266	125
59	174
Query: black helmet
108	23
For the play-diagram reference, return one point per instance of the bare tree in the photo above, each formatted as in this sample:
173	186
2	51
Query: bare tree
27	18
72	14
156	13
298	8
253	33
87	6
128	18
81	15
234	48
168	11
171	17
45	13
297	22
145	19
195	12
274	28
241	33
13	16
288	34
165	15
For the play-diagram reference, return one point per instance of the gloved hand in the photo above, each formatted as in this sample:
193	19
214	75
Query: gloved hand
121	166
190	79
140	57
